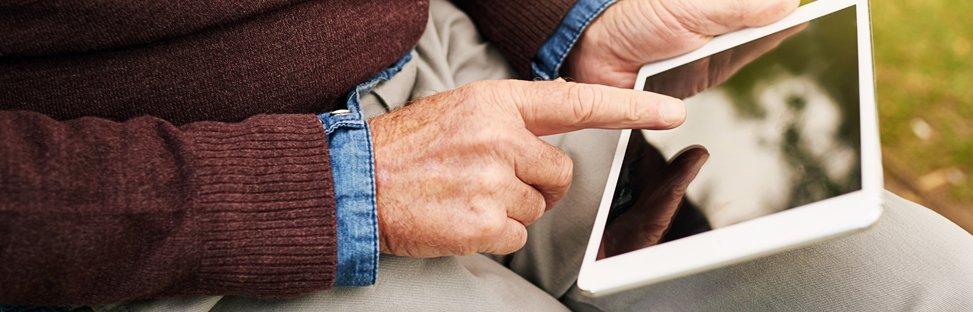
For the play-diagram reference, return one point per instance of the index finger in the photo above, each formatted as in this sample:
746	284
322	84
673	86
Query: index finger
551	107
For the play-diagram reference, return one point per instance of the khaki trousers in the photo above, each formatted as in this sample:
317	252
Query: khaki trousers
912	259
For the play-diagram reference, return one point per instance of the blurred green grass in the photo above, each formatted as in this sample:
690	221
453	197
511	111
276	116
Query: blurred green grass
923	54
923	51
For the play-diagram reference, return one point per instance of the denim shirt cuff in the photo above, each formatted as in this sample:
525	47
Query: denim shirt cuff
353	169
555	50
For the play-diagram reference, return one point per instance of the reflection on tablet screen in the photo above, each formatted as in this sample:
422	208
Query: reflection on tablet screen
779	118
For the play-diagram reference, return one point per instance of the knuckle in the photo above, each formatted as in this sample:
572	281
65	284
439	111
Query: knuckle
561	179
493	92
537	208
519	241
493	141
635	110
478	90
584	101
490	229
467	240
492	179
486	136
481	234
565	166
482	208
530	207
465	233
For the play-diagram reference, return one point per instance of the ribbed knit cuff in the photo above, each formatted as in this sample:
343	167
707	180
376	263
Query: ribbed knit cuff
265	205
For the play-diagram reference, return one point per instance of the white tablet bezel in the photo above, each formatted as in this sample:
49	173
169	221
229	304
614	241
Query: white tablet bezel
781	231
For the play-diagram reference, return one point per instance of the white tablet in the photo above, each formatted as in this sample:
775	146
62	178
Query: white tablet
786	114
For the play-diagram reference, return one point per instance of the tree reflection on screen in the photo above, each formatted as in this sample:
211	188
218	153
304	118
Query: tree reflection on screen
780	116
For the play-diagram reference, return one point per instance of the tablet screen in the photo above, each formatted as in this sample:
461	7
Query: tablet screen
773	124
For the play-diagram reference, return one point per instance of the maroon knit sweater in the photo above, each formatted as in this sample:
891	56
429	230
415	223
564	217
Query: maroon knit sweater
165	148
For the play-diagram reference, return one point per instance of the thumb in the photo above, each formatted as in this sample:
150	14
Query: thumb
707	17
551	107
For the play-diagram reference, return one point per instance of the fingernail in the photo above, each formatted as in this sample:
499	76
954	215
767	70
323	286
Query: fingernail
673	112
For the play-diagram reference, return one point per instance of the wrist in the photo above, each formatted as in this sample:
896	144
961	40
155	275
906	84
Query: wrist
552	58
570	63
589	61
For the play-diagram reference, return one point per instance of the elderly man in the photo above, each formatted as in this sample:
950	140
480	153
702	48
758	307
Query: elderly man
192	155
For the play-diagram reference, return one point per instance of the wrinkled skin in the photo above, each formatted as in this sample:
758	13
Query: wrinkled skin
632	33
464	171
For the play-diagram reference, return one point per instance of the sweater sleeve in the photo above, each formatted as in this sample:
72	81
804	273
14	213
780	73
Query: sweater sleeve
518	28
94	211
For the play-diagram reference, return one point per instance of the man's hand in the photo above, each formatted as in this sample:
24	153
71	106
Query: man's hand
632	33
463	171
712	71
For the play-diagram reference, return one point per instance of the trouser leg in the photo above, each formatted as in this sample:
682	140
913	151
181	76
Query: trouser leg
472	283
911	260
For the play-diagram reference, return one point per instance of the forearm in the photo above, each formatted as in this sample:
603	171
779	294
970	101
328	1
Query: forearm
96	211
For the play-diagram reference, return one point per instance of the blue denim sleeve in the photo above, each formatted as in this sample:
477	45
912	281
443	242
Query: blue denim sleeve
551	56
353	169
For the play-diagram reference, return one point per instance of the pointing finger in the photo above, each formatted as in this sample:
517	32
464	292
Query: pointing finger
551	107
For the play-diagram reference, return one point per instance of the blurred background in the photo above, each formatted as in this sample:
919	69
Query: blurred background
923	53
